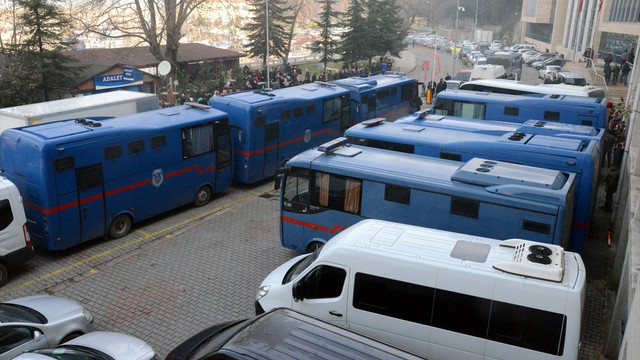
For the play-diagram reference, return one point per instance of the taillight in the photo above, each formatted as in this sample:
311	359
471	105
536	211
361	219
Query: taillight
27	238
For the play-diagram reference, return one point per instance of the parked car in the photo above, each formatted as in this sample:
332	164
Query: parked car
548	69
550	61
98	345
38	322
283	334
463	75
570	78
541	57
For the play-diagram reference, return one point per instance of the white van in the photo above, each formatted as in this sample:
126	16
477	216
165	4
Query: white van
15	244
487	71
439	294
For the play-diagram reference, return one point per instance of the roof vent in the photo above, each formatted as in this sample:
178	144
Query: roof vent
93	124
539	124
193	105
533	259
517	136
373	122
81	121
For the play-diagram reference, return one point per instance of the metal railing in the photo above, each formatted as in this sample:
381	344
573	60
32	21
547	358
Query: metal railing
597	79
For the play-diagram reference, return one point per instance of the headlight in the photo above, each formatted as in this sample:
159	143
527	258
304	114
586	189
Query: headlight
87	315
262	291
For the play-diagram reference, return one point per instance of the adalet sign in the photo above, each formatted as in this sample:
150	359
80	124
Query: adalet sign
128	77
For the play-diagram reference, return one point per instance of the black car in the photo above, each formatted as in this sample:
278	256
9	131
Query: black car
283	334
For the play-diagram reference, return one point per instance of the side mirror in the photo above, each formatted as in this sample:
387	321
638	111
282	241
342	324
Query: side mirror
298	291
36	335
276	185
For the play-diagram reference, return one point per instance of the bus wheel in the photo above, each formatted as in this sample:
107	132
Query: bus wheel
203	196
4	274
314	246
120	226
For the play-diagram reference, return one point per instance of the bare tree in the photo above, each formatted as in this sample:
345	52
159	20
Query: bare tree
152	22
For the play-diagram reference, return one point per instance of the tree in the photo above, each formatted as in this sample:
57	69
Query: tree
34	62
151	22
327	45
257	29
384	28
354	38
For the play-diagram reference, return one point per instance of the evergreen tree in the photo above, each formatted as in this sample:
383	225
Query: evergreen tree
42	26
354	39
384	28
327	45
256	29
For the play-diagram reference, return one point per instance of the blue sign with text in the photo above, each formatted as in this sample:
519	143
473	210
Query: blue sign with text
128	77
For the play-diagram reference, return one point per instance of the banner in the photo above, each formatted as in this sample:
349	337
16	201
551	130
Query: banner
127	78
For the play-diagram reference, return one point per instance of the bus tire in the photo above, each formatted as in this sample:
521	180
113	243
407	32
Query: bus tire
313	246
4	274
120	226
203	196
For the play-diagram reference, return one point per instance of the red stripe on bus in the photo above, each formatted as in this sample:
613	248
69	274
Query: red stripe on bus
284	143
198	169
580	224
110	192
304	223
210	169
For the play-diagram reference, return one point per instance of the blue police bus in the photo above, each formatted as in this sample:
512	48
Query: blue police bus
269	127
562	154
520	108
329	188
82	180
389	95
491	127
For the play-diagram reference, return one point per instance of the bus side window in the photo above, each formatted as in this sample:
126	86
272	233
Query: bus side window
465	207
197	140
310	109
158	141
63	164
331	109
340	193
285	115
399	194
112	152
552	115
6	215
297	112
136	147
511	111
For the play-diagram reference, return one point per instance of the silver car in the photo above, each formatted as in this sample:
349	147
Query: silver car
98	345
38	322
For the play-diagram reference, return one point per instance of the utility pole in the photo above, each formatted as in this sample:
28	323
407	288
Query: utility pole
267	59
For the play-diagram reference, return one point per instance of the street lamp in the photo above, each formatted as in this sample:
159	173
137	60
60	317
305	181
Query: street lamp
267	55
455	40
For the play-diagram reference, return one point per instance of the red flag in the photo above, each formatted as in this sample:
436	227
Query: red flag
600	6
580	8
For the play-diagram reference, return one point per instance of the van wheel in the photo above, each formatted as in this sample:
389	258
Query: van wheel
120	226
4	274
314	246
203	196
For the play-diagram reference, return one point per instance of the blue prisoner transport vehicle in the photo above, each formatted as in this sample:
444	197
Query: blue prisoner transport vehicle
562	154
577	110
492	127
271	126
329	188
82	180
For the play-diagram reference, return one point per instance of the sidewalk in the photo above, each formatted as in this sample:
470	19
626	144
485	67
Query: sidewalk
406	63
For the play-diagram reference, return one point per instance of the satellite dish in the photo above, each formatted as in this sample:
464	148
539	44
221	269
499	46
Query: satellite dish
164	67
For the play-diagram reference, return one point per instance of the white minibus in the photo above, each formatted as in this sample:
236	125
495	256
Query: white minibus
439	294
503	86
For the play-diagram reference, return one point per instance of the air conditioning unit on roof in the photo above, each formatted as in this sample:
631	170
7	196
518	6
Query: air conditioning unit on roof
534	259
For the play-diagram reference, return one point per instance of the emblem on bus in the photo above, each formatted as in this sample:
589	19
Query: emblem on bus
157	177
307	135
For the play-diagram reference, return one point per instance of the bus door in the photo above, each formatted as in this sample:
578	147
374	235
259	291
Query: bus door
345	113
90	191
223	157
271	149
64	229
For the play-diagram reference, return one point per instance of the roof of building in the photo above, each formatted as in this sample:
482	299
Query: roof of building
141	57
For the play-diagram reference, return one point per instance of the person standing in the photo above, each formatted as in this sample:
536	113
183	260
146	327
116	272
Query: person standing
611	186
624	73
615	71
447	77
608	60
607	74
441	86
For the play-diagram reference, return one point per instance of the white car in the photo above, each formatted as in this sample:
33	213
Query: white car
547	70
98	345
38	322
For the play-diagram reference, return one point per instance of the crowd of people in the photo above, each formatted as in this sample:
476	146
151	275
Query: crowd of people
618	71
613	144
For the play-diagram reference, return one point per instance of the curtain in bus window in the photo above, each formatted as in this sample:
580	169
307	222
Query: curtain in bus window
331	108
324	190
197	140
352	196
469	110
